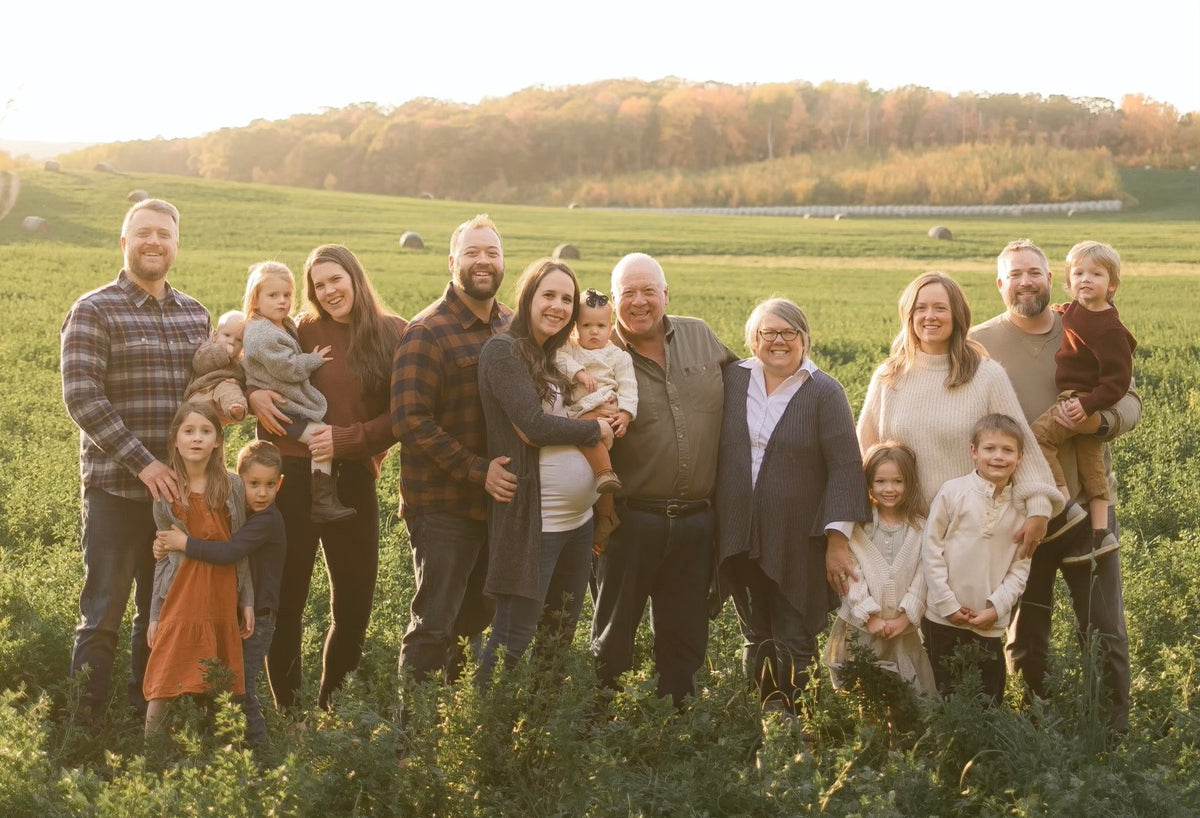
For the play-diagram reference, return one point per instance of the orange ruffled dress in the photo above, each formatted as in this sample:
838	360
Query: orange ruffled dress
199	616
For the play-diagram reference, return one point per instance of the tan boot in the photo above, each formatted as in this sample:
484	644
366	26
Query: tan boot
607	482
325	505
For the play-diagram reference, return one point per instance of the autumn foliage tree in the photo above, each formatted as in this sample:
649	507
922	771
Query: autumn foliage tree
516	147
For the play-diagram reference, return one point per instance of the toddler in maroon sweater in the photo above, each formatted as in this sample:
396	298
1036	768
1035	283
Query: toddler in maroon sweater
1095	365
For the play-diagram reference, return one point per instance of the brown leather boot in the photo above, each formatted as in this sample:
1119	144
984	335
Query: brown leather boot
325	505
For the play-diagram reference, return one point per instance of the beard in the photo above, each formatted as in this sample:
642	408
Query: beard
1030	304
475	289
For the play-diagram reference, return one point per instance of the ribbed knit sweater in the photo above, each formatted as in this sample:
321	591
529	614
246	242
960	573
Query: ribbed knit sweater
1096	356
919	411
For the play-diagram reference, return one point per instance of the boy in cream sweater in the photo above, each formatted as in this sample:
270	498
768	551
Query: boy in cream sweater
972	573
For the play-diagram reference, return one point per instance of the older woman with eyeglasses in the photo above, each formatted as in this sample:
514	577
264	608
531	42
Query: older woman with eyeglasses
789	481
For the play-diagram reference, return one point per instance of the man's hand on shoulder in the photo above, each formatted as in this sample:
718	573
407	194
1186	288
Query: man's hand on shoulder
160	479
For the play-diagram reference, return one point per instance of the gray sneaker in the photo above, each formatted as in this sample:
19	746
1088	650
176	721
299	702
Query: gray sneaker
1101	542
1067	519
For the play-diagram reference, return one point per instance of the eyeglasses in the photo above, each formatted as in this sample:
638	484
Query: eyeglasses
594	298
769	335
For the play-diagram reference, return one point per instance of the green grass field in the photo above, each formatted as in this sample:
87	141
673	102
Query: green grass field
530	747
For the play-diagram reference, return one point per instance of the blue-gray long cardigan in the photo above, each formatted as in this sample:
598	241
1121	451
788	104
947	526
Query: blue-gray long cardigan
509	397
811	475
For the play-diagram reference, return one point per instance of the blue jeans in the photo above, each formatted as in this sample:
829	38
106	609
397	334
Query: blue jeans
449	566
564	566
667	561
254	654
118	539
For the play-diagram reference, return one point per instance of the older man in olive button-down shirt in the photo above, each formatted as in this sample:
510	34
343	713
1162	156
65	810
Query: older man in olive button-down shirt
667	462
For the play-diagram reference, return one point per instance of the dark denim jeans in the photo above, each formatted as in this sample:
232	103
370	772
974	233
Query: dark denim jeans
564	567
778	651
1099	605
449	565
254	654
667	561
118	539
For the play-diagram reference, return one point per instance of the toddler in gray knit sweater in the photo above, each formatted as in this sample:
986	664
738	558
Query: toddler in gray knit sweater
273	359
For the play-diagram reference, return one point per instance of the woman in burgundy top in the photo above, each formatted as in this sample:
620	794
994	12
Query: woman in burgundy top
342	311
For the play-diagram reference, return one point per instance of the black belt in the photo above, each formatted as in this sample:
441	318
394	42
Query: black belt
669	508
264	611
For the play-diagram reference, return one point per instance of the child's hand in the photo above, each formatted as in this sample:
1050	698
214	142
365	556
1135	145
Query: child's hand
586	380
877	625
620	423
326	352
151	632
1074	410
173	540
247	627
896	626
962	616
985	618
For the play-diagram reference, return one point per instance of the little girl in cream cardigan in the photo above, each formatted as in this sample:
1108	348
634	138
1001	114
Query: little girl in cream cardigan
884	605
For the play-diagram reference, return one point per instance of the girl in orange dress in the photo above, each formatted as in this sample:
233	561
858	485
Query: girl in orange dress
199	616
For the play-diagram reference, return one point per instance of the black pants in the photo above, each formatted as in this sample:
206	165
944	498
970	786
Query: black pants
352	561
942	640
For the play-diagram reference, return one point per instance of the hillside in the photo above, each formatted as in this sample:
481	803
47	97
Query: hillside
553	145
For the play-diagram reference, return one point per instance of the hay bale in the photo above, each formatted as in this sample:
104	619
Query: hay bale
426	195
837	217
104	167
574	206
566	252
412	241
137	195
51	165
941	232
34	224
1070	212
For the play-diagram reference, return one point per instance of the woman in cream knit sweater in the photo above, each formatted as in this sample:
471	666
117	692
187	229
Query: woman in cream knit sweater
933	388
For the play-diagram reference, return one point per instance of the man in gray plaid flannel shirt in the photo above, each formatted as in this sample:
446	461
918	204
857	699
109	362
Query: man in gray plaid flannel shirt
127	352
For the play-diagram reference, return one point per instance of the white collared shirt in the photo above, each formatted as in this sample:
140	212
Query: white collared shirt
763	411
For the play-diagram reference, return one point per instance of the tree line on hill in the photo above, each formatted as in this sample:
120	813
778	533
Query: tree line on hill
540	143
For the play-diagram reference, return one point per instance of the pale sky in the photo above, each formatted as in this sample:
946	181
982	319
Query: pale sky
99	71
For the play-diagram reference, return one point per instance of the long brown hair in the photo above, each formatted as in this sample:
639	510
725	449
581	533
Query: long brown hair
373	329
218	486
540	359
965	354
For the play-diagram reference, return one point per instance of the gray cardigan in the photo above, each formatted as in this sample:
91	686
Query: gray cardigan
165	568
509	398
273	359
811	476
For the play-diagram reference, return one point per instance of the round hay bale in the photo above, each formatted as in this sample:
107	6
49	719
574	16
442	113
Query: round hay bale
808	215
137	195
51	165
566	252
104	167
941	232
837	217
412	241
1070	212
426	195
574	206
34	224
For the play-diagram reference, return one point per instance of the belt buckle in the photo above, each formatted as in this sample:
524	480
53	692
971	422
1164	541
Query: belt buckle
673	509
